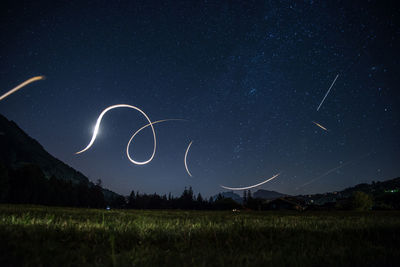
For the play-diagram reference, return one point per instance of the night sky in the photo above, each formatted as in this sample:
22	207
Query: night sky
247	76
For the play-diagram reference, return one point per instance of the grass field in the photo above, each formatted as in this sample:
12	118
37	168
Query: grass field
48	236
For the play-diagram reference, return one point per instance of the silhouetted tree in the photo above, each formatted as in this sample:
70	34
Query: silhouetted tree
96	199
249	194
219	197
199	198
132	200
28	184
226	204
361	201
244	198
4	183
118	202
186	199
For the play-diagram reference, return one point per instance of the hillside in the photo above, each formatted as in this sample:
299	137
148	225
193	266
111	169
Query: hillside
266	194
375	188
19	149
260	194
231	195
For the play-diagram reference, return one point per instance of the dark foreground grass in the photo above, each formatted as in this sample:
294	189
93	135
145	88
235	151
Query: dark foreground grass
48	236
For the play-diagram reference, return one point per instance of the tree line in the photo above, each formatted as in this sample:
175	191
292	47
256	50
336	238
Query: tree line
186	201
29	185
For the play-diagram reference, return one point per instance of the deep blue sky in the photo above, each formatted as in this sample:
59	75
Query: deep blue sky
248	76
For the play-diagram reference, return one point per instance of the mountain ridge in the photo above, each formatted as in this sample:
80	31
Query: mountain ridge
260	193
19	149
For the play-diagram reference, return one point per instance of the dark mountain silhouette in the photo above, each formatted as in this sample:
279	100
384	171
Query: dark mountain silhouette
379	190
266	194
231	195
261	194
375	188
18	150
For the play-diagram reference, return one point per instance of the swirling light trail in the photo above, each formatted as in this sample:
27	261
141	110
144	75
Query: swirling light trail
184	160
320	126
96	130
31	80
137	132
251	186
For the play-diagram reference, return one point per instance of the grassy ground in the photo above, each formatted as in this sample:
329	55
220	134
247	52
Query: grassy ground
48	236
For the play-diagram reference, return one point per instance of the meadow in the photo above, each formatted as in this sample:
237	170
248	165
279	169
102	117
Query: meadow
49	236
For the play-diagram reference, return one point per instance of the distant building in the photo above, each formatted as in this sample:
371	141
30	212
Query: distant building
392	191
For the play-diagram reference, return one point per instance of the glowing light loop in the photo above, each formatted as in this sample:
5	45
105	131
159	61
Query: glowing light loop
138	131
96	130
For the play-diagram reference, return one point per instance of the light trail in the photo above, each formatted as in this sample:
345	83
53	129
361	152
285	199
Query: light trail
31	80
332	170
320	126
138	131
96	130
327	92
326	173
184	160
252	186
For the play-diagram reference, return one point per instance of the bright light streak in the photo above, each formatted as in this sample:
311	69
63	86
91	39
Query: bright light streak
252	186
138	131
31	80
184	160
320	126
327	92
96	130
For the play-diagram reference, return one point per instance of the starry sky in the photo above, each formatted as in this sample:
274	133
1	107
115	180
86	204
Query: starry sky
247	76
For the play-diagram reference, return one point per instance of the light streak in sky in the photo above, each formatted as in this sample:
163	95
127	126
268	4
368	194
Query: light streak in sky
31	80
138	131
332	170
320	126
184	160
251	186
327	92
96	130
